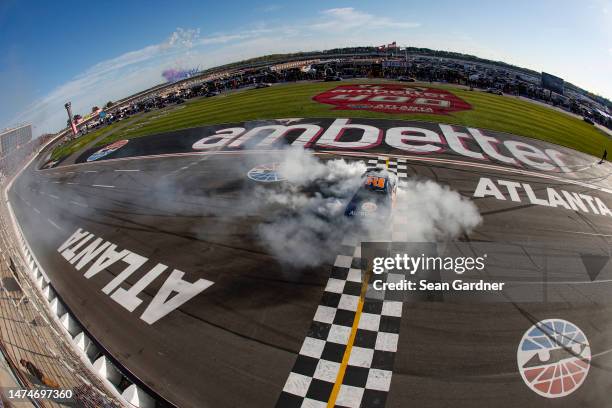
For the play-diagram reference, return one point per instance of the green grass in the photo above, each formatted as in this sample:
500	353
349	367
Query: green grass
77	144
501	113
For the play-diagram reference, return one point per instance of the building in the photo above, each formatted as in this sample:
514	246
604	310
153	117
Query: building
10	139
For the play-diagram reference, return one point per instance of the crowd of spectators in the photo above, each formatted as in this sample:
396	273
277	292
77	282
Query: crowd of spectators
410	68
499	80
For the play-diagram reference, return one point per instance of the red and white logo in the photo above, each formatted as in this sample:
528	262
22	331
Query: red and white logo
554	357
106	150
392	98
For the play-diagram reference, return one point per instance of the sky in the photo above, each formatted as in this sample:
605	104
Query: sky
89	53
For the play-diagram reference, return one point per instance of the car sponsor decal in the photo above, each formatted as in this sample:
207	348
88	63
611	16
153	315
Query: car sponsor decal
266	173
553	358
392	98
368	207
106	150
374	181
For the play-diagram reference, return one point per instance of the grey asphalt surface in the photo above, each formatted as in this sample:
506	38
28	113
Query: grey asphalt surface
234	344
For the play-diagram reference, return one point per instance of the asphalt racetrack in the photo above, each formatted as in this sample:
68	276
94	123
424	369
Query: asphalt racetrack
236	342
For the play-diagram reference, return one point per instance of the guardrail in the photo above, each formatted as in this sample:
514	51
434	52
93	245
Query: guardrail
82	389
120	381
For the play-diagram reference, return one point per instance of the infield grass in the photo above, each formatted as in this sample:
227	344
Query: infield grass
502	113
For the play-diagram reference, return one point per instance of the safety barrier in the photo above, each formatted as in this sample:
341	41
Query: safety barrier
100	363
93	355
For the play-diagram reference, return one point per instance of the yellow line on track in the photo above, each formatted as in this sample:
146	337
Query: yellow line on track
349	345
331	403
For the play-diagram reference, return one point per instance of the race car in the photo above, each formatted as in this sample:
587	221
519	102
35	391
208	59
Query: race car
375	198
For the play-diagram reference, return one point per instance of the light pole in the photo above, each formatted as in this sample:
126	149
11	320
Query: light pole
69	111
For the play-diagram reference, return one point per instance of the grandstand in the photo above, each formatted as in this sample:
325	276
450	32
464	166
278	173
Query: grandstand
11	139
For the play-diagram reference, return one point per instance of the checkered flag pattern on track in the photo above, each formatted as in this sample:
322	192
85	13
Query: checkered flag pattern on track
350	316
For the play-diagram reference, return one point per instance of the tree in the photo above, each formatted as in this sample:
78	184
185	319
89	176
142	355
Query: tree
94	109
109	104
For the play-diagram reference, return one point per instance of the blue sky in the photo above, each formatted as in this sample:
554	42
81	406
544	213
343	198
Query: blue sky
90	52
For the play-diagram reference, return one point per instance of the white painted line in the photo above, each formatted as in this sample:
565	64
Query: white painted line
54	224
54	196
71	183
560	282
36	209
476	165
91	171
363	154
573	232
102	185
56	182
125	170
602	353
79	204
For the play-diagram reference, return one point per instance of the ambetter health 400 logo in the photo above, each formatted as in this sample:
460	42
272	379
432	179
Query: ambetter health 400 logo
554	357
392	98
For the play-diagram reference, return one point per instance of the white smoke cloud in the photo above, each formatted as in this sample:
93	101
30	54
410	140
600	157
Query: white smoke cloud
311	224
182	37
300	221
301	168
435	211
